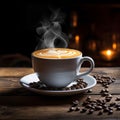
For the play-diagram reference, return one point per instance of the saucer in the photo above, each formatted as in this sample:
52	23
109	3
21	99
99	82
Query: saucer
24	81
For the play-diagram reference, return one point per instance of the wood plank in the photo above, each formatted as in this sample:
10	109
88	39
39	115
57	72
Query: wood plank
11	86
47	100
48	108
18	103
16	72
53	113
18	90
9	82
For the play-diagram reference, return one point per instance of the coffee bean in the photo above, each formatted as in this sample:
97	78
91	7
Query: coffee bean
77	86
88	106
93	107
88	98
73	88
109	95
90	111
39	85
117	99
77	109
110	108
72	109
83	110
85	103
104	80
117	105
99	107
118	108
75	103
94	104
89	91
105	94
80	84
100	113
110	112
106	86
108	99
102	91
79	80
103	102
106	109
106	90
98	100
105	106
112	104
34	85
67	88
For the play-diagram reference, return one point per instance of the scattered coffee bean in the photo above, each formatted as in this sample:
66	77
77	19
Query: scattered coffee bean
88	98
98	107
75	103
88	106
110	112
102	104
105	94
112	104
109	95
83	110
37	85
89	91
108	99
118	108
100	113
117	105
104	80
117	99
34	85
79	85
102	91
71	109
77	109
85	103
90	111
106	109
106	86
110	108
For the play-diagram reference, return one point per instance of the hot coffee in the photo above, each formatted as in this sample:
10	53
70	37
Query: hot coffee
57	53
58	67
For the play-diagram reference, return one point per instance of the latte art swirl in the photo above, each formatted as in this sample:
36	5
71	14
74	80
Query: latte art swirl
57	53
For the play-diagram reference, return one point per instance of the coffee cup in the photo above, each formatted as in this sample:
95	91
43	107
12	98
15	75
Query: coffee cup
58	67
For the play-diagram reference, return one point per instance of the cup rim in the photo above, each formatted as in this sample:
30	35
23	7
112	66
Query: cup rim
57	58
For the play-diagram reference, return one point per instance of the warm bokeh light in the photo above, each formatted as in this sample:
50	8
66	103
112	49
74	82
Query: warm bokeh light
108	54
77	41
75	19
77	38
114	46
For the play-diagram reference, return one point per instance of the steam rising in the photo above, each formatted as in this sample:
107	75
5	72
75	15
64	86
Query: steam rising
51	31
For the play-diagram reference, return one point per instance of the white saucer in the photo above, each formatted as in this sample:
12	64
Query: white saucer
24	81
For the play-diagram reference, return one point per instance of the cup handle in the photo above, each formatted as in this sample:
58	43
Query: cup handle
83	59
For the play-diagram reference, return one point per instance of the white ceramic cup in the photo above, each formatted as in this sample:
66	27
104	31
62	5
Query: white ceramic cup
58	73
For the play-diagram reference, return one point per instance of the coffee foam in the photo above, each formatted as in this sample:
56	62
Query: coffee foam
57	53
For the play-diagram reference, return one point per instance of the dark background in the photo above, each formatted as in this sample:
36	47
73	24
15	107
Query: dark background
21	18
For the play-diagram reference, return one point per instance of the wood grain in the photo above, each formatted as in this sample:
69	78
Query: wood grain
16	72
20	104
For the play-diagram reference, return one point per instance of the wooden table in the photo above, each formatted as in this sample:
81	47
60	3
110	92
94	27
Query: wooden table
18	103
